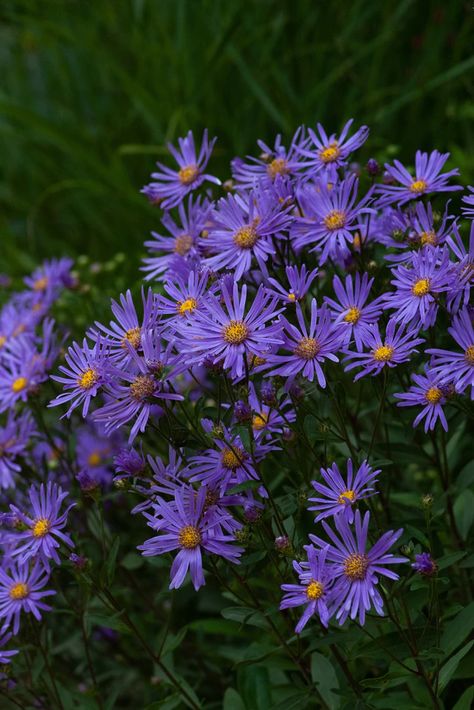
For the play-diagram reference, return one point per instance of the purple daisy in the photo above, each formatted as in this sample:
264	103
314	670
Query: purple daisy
308	347
21	589
418	285
314	589
331	216
460	291
351	309
339	495
226	332
453	367
428	178
185	296
398	346
267	419
129	462
331	152
172	186
428	393
45	524
182	525
23	368
87	372
52	277
357	568
299	281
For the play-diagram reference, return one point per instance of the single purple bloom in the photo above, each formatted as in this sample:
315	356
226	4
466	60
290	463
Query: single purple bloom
172	186
331	152
457	368
45	524
338	496
357	568
185	296
182	525
52	277
425	565
23	368
308	347
463	271
429	394
299	281
129	462
314	589
21	590
397	346
268	419
351	309
428	178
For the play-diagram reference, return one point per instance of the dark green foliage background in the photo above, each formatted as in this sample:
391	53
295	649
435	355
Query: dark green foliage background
91	90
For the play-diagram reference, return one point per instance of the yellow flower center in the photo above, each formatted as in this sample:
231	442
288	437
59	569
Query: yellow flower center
469	354
41	527
3	340
40	284
352	315
348	496
357	241
246	237
183	244
384	353
421	287
314	590
418	186
233	458
355	566
330	153
236	332
428	238
189	537
260	421
307	348
188	174
19	591
88	379
291	297
142	387
278	166
187	306
132	336
19	384
256	361
336	219
433	395
94	459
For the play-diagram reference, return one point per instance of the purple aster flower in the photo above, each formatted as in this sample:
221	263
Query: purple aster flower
314	589
418	285
308	347
424	564
330	218
172	186
135	388
428	178
457	368
427	232
460	291
429	394
272	162
21	589
331	152
6	655
52	277
268	419
468	204
242	231
94	451
357	568
182	525
128	462
45	524
299	281
339	495
127	328
398	346
87	372
225	332
180	247
14	439
185	296
351	309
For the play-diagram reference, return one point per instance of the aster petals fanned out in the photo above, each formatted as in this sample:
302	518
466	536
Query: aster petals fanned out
351	309
170	187
330	152
337	495
459	294
308	346
428	178
456	368
184	297
398	345
22	590
429	393
299	282
356	567
45	524
86	373
314	590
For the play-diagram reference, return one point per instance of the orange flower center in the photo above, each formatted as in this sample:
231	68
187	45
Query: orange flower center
183	244
384	353
278	166
142	387
19	591
133	336
19	384
421	288
188	174
189	537
469	354
41	527
418	186
307	348
433	395
352	315
187	306
355	566
336	219
330	153
348	496
236	332
246	237
88	379
314	590
233	458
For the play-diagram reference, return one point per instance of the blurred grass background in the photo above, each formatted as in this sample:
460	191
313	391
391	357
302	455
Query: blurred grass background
90	92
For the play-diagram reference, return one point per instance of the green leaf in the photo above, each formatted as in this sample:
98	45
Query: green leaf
447	671
245	615
457	629
466	701
464	512
254	686
232	700
325	678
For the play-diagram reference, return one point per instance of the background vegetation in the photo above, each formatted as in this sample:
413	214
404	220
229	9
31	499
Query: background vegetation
92	89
